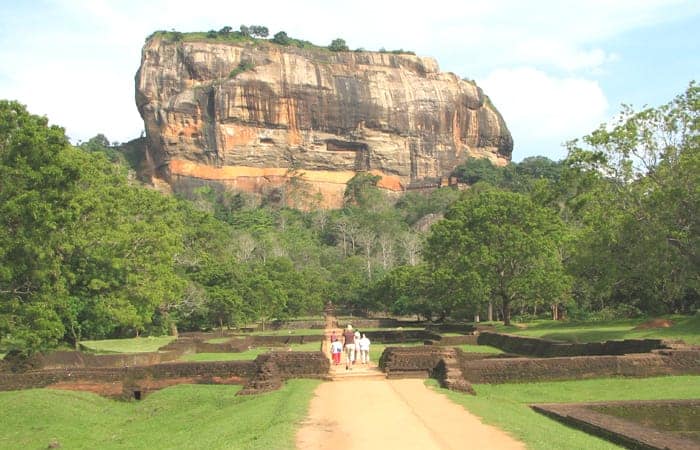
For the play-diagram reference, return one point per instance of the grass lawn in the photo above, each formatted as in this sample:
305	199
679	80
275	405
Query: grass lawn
133	345
686	328
249	354
505	405
183	416
219	340
478	348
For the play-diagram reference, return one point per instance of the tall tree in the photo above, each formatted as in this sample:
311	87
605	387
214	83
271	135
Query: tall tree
644	170
503	245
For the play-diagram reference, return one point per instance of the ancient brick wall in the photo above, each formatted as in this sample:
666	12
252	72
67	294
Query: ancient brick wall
298	364
451	328
523	345
396	336
415	361
373	323
297	324
275	367
519	370
128	375
276	341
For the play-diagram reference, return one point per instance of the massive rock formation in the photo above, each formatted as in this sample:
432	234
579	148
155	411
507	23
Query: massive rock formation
258	116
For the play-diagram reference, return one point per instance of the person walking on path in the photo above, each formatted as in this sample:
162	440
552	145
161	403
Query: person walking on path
357	346
364	349
336	350
349	341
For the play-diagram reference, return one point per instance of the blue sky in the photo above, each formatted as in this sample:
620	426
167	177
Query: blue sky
555	69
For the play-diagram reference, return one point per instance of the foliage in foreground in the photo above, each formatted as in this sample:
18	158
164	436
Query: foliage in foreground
184	416
506	405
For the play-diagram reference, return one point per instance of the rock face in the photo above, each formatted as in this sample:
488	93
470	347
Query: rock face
260	117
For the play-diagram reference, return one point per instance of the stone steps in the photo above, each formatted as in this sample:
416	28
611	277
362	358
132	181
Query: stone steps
357	373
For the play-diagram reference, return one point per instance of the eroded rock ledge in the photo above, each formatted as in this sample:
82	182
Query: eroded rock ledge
309	114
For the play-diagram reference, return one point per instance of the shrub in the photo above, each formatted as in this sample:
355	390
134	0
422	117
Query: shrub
243	66
281	38
338	45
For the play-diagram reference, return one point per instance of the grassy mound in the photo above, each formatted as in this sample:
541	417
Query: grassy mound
183	416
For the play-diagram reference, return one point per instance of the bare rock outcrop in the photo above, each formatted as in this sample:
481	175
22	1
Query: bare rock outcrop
258	116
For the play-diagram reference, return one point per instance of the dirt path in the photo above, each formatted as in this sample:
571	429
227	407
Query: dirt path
392	414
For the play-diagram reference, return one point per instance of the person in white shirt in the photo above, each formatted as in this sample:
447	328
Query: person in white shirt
336	350
364	349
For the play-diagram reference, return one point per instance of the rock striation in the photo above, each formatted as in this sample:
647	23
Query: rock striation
258	117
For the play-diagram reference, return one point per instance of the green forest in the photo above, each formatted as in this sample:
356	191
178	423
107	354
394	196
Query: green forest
89	252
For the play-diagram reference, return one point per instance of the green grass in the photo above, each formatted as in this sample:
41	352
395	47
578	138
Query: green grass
221	340
686	328
249	354
283	332
505	405
183	416
307	347
133	345
478	348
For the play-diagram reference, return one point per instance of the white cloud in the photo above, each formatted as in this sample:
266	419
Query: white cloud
541	108
74	60
561	55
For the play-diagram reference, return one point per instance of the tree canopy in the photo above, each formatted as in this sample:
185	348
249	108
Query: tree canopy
500	245
88	252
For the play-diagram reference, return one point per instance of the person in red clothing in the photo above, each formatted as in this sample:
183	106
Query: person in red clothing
336	350
349	341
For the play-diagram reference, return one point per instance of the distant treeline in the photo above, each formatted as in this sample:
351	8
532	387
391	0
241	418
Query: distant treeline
258	33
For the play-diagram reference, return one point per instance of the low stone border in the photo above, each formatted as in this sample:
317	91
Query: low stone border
451	328
617	430
523	370
470	339
530	346
399	336
276	367
361	323
267	372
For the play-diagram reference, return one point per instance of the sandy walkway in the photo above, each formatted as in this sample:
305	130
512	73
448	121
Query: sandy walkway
393	414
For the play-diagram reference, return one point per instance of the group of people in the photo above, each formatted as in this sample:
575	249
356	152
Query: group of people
354	343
